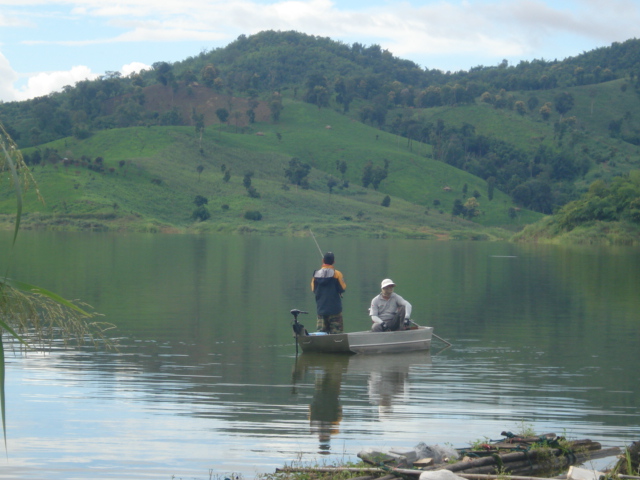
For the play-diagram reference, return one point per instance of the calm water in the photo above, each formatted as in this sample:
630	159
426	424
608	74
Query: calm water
207	380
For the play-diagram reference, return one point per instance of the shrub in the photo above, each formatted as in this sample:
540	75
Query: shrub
253	215
201	213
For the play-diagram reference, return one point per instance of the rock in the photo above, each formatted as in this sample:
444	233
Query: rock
439	475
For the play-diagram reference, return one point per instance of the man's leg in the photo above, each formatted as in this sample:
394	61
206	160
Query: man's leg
335	323
321	324
397	321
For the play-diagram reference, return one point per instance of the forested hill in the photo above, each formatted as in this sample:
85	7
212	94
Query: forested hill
540	131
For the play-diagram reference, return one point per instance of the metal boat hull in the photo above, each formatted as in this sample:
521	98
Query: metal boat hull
369	342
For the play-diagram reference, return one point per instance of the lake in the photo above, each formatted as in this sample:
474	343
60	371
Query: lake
206	381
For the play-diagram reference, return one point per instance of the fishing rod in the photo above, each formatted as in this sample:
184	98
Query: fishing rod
314	239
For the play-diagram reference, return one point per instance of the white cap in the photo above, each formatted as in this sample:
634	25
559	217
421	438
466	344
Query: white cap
386	282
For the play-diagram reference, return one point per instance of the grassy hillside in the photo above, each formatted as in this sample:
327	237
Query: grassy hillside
151	178
127	154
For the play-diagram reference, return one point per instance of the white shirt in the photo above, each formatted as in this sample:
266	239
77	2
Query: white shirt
383	310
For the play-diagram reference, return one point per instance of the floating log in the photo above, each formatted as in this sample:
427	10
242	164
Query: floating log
529	461
523	465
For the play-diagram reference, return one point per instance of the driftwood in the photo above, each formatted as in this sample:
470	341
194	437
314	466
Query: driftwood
531	464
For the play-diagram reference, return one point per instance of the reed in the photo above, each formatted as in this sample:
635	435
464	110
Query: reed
34	316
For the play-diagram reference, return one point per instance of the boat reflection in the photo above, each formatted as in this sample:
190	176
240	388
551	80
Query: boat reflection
386	377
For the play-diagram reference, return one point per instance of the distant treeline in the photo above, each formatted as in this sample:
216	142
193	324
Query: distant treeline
320	68
327	73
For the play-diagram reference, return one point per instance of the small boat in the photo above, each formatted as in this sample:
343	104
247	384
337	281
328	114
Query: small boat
415	339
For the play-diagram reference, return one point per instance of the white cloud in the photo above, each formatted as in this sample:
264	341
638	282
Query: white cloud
44	83
457	34
133	67
7	78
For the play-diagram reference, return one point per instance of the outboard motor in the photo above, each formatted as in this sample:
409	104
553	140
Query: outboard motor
298	328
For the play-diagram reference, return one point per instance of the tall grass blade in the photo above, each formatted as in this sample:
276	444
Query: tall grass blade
27	287
2	399
18	188
13	333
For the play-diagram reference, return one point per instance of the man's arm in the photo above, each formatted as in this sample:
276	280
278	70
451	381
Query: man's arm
373	312
340	278
407	306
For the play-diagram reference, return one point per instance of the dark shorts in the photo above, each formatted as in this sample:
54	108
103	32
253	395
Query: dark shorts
396	323
330	323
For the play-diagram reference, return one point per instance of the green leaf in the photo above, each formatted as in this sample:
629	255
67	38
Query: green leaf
13	333
27	287
18	188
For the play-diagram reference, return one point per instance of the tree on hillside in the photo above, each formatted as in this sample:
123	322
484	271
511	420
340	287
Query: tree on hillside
367	174
563	102
472	208
198	120
345	90
378	174
188	77
209	73
223	115
199	200
275	106
246	180
545	111
199	169
458	208
317	90
297	172
201	213
341	166
617	201
164	73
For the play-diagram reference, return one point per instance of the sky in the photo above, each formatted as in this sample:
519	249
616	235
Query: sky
47	44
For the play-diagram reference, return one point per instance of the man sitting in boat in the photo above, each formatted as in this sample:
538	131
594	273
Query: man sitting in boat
328	286
389	311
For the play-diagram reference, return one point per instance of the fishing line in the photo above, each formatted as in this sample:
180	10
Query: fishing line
314	239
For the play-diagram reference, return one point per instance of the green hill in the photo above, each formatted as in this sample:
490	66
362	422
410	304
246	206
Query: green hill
148	178
523	140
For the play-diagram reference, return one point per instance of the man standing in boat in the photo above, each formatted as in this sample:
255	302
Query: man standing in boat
328	286
389	311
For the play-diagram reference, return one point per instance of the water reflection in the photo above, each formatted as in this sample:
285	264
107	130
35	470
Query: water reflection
541	334
386	378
